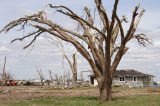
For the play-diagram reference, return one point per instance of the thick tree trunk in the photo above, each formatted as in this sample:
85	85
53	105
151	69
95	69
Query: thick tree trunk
106	90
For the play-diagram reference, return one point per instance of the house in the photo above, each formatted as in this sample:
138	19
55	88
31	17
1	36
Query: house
129	77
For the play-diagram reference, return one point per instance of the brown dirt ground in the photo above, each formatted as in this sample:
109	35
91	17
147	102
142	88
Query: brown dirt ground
30	92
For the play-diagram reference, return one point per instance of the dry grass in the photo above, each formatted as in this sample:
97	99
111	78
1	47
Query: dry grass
31	92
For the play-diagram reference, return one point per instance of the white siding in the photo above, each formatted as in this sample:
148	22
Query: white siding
128	82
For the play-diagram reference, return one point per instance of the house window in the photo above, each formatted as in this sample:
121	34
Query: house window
134	79
121	79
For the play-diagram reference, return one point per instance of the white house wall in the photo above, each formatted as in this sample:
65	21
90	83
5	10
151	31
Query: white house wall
128	82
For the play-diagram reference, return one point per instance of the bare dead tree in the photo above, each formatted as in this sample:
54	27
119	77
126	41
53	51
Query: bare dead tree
72	63
64	81
73	66
68	78
5	76
51	77
106	45
61	81
50	74
40	74
57	80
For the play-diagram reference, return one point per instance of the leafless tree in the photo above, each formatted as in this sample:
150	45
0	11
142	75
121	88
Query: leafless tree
62	80
50	74
40	74
51	77
72	63
5	76
73	66
106	45
57	79
68	78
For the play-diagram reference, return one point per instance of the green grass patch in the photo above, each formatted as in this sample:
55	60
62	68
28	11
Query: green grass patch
152	100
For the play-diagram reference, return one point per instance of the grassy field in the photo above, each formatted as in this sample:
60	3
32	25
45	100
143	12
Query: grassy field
40	96
147	100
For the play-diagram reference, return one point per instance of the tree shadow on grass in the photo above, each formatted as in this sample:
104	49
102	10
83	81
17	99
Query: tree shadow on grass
119	98
84	98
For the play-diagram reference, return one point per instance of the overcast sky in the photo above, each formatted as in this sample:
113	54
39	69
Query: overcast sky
22	63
